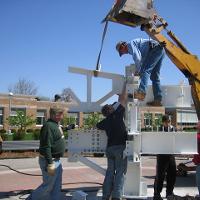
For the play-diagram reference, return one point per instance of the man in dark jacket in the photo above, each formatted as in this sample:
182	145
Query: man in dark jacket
115	129
166	166
52	147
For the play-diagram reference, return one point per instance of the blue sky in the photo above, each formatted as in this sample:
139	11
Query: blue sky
39	39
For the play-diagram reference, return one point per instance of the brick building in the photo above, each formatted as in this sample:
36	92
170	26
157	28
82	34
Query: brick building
32	106
9	104
150	116
183	117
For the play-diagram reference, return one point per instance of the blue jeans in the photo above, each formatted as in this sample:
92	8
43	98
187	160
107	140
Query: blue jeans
151	68
117	167
198	177
50	189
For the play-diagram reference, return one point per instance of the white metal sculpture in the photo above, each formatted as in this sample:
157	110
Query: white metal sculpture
89	106
94	141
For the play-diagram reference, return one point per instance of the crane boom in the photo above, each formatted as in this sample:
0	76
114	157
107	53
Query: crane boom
141	13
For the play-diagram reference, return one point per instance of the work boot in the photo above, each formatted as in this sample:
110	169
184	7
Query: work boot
197	197
154	103
176	197
139	95
170	196
157	197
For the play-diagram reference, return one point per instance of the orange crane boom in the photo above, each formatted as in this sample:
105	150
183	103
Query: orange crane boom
141	13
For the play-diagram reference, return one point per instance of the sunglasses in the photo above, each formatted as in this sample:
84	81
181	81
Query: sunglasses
122	46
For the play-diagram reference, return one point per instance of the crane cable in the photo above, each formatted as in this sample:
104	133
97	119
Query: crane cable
28	174
102	41
19	171
22	193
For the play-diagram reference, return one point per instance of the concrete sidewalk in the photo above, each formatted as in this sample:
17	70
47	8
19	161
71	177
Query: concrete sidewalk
77	176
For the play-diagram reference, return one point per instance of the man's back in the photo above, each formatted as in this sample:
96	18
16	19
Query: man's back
115	127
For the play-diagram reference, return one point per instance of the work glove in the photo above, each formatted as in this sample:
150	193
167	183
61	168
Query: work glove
137	73
69	127
163	44
51	169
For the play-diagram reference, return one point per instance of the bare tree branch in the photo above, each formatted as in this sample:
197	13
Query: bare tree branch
23	86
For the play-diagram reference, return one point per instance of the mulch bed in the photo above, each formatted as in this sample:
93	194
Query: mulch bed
19	154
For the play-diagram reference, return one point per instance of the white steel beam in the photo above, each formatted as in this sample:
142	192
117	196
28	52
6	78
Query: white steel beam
89	88
107	75
92	165
94	141
89	106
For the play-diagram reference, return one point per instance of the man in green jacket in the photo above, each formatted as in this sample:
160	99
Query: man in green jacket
52	147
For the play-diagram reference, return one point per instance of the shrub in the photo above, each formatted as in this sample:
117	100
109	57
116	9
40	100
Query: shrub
65	134
29	130
21	121
3	134
2	131
19	135
146	129
36	134
91	120
14	131
190	129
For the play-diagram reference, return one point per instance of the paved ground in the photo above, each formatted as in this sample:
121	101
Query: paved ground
77	176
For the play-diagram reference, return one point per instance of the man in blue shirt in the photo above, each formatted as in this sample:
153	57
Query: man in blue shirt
147	55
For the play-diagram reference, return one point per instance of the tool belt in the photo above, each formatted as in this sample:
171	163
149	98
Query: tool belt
153	44
41	156
54	156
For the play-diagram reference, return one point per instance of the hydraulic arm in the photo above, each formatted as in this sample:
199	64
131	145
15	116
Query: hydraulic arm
141	13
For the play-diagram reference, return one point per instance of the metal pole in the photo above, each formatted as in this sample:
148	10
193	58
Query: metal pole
10	95
182	96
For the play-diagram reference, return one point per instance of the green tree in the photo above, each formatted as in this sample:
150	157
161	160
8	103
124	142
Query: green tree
157	121
148	121
92	120
68	120
21	121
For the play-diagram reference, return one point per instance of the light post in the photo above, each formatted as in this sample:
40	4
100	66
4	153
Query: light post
182	98
10	95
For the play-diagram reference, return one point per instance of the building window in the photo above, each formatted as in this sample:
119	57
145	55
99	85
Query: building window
147	119
72	118
40	118
158	119
1	116
187	118
14	111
